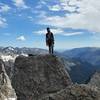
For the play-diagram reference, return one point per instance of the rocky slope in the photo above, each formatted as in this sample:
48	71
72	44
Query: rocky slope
6	90
95	80
9	54
75	92
43	77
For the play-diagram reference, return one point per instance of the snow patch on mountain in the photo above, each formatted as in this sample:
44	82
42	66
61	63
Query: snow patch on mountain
23	54
8	57
10	99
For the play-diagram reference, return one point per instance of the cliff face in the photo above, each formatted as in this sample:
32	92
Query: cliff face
6	90
39	75
44	77
95	80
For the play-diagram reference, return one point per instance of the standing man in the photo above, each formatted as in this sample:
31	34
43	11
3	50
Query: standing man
50	41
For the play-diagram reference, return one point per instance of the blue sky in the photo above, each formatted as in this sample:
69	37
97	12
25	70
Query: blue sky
75	23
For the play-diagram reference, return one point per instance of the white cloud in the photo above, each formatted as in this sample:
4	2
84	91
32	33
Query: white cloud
88	17
55	8
64	5
21	38
42	14
20	4
73	34
58	31
30	18
3	22
43	2
40	4
55	31
4	7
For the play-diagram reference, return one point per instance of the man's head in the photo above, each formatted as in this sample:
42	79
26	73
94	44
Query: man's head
48	29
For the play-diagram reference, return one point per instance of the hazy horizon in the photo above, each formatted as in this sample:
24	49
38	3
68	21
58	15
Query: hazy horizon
59	49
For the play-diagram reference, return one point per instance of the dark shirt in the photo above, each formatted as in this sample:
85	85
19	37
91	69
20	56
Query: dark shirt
49	39
49	36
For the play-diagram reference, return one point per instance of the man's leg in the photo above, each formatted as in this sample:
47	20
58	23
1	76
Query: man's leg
49	49
52	49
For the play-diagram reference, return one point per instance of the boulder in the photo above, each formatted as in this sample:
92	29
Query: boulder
36	76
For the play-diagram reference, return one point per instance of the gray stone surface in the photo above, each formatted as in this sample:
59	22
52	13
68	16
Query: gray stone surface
75	92
95	80
38	75
44	77
6	90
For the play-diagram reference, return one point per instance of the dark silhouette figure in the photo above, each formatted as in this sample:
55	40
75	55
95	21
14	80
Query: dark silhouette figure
50	41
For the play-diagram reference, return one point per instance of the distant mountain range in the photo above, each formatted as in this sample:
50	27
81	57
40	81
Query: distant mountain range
81	63
85	62
88	54
78	70
11	50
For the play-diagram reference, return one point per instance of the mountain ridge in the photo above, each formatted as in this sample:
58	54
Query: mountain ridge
89	54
